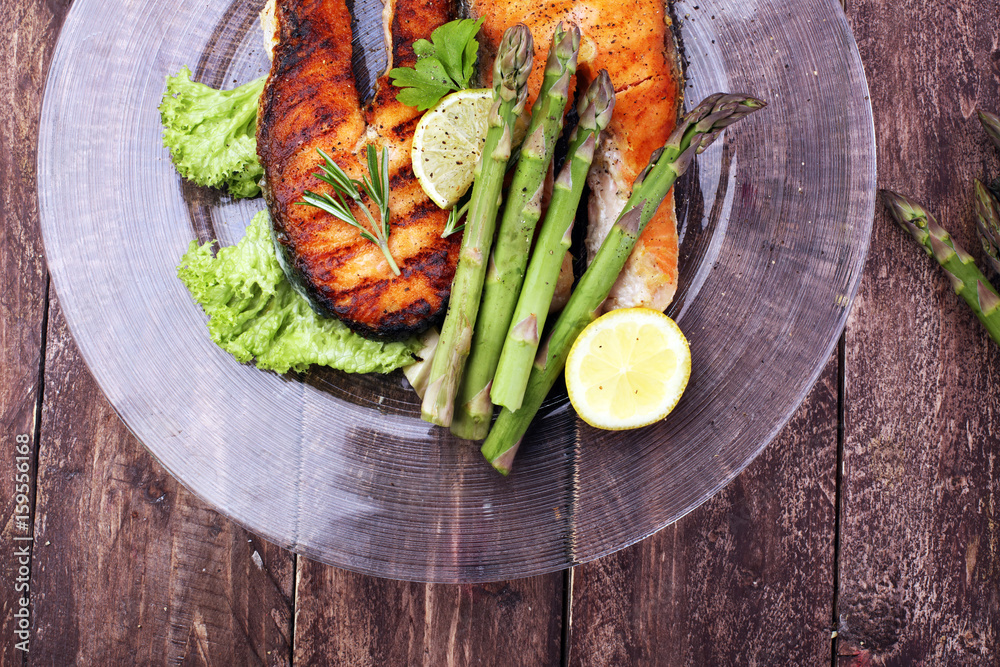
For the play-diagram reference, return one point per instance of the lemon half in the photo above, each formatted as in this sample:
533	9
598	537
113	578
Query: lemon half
448	142
628	369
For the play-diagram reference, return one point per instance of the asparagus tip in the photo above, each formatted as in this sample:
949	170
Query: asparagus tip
598	103
991	123
564	50
513	65
707	120
994	262
982	193
905	210
988	224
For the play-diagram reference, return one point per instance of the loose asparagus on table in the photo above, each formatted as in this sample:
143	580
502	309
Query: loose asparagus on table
991	124
966	278
553	243
696	131
510	93
517	226
988	224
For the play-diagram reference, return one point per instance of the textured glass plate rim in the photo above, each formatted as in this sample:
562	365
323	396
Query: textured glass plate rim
58	279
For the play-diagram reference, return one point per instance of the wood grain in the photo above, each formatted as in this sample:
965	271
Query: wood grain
358	621
748	574
919	560
29	31
129	567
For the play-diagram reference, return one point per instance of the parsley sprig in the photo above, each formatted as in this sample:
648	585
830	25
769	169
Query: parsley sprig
375	185
445	63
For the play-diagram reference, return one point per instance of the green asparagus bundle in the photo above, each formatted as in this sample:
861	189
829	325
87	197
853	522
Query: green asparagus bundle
510	93
553	243
988	225
992	126
517	227
966	278
694	134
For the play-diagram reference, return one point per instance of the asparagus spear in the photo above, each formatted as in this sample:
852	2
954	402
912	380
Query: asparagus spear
966	278
554	240
510	93
988	225
696	131
992	126
517	227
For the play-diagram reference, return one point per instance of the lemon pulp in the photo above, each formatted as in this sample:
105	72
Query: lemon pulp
628	369
448	142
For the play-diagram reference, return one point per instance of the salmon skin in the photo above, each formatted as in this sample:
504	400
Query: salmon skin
633	41
310	101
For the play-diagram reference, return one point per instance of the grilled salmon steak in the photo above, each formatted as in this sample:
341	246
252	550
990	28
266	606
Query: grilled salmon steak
310	102
631	40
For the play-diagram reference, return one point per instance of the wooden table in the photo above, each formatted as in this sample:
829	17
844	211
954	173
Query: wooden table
867	533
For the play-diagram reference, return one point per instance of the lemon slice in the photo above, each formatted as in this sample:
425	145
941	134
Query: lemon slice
447	143
628	369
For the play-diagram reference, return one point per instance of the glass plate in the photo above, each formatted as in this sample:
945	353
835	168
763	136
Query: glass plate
775	227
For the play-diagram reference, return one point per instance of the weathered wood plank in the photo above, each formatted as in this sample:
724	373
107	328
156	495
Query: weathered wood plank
353	620
747	578
919	563
29	31
129	567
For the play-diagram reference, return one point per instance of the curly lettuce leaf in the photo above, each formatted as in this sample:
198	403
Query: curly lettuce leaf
211	133
254	313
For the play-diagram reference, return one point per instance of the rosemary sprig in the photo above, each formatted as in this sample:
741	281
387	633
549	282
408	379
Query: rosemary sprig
456	214
375	185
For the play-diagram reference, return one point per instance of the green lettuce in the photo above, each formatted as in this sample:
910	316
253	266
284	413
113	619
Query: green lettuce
254	313
211	133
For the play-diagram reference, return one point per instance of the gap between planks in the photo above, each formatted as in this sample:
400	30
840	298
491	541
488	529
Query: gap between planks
838	493
567	617
36	433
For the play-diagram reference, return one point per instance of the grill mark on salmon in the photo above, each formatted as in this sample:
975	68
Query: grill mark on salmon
311	101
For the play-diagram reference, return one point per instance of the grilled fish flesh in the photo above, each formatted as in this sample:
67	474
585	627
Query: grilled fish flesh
632	40
310	101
